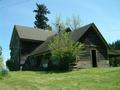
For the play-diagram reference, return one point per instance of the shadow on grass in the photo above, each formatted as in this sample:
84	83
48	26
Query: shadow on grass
52	71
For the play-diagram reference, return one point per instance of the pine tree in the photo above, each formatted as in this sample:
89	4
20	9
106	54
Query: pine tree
41	19
115	45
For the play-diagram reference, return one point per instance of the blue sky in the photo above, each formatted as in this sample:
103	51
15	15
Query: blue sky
104	13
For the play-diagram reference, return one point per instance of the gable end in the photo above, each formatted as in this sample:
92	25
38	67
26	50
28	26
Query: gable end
100	35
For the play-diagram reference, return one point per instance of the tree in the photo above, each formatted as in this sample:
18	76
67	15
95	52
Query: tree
10	65
3	71
1	59
59	24
41	19
73	22
115	45
1	62
65	50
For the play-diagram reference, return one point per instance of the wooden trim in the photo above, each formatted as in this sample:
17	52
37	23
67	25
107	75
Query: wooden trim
100	35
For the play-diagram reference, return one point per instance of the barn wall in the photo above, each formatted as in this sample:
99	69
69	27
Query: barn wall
15	50
93	42
27	47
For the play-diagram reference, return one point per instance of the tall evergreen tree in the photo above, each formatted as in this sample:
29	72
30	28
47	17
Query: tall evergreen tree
41	19
115	45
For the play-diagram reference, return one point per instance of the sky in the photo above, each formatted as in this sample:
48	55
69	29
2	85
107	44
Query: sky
104	13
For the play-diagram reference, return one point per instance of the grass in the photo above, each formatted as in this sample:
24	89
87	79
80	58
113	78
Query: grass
83	79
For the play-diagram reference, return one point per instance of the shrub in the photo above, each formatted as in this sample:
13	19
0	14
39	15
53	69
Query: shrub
115	62
1	62
65	50
3	71
10	65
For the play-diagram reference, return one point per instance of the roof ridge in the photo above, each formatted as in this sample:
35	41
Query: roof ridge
29	27
30	33
90	24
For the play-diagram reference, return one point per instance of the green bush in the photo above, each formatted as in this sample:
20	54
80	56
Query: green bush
115	62
3	73
10	65
65	50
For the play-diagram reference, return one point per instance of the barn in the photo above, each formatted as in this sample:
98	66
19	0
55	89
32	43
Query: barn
29	47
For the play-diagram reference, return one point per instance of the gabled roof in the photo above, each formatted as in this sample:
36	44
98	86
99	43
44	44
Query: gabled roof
43	47
76	35
29	33
33	33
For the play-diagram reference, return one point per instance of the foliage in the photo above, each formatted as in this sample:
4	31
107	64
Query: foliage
115	51
10	65
83	79
115	62
73	22
65	49
59	24
115	45
1	62
3	71
41	19
1	59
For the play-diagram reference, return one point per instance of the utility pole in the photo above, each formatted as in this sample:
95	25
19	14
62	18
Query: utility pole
59	29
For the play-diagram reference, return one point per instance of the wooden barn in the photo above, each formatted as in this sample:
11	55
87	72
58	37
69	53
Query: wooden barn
29	47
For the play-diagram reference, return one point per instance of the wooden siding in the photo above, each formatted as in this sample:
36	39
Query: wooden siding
20	49
93	42
15	50
27	47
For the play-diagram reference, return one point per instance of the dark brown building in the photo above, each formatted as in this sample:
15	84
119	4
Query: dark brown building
24	40
29	47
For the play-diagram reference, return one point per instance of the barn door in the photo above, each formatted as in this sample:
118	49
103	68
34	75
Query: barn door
93	57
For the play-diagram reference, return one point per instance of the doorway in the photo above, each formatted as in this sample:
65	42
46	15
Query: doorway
93	57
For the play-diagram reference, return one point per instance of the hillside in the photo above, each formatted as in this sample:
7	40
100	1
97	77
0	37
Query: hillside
83	79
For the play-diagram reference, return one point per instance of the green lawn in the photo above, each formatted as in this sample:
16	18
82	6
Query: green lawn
83	79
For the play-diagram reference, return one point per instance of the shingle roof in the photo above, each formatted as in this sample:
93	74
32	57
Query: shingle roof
43	47
33	33
76	35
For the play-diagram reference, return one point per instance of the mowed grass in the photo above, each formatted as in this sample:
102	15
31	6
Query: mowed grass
83	79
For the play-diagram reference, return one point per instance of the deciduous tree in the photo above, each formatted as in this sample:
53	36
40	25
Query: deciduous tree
1	59
73	22
59	24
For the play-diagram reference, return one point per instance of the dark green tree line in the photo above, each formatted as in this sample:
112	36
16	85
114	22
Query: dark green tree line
115	45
